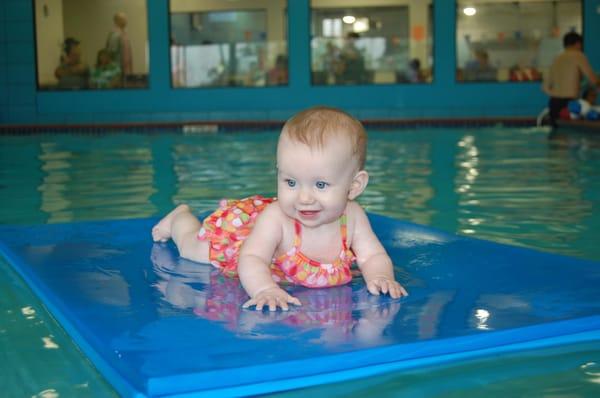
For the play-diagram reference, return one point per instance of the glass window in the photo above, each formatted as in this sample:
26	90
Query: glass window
221	43
384	42
511	41
91	44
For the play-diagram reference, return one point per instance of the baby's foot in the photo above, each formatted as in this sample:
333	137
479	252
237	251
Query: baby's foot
161	232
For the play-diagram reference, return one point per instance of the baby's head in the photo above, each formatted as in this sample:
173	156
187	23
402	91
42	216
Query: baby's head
320	161
322	126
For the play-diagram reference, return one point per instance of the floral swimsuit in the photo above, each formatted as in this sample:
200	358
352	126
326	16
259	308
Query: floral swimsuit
227	228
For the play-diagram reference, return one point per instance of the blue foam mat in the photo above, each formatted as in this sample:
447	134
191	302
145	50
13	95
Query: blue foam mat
154	324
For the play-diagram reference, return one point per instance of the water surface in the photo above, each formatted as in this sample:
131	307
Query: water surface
508	185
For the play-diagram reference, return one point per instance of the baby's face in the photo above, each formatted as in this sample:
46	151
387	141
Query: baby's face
313	184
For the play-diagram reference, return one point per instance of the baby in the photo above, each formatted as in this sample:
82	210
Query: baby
310	234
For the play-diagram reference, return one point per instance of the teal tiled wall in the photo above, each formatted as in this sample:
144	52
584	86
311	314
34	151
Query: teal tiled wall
21	103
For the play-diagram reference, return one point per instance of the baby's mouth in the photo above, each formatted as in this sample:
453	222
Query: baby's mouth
308	213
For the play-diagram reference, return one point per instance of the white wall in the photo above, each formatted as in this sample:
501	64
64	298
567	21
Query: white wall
49	30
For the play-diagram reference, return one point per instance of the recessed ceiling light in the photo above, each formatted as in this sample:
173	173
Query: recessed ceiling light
349	19
469	11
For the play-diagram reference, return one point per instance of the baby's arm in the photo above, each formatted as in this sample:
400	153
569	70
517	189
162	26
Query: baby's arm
255	258
373	261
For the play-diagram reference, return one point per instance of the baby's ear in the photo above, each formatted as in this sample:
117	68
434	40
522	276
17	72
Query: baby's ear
359	183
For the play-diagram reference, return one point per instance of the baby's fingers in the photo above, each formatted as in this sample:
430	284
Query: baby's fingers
272	302
283	302
386	286
293	300
403	291
374	287
396	290
258	302
249	303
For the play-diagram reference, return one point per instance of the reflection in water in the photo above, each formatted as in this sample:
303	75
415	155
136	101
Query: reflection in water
339	314
512	186
517	189
399	174
431	312
84	176
208	169
482	317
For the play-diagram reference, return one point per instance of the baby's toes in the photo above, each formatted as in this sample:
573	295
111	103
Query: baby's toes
158	235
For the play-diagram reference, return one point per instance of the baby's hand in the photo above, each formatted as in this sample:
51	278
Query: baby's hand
273	297
382	284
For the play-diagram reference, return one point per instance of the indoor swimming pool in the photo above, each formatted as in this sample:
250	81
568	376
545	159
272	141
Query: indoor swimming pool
508	185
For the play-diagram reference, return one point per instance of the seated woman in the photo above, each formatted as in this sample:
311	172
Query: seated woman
278	75
106	73
72	73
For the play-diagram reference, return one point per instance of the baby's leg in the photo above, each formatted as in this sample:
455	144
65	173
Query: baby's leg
161	232
182	226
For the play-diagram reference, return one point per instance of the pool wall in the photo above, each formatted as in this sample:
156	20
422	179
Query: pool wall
22	104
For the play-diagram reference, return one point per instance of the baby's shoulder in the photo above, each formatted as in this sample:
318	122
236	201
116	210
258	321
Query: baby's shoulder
355	217
272	209
353	210
272	213
273	219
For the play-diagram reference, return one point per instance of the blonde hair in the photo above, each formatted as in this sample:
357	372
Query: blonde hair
314	126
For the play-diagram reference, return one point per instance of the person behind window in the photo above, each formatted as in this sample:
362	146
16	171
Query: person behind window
331	62
479	69
414	74
562	82
72	72
119	45
352	62
278	75
106	74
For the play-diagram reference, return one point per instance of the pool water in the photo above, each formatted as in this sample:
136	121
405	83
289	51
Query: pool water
508	185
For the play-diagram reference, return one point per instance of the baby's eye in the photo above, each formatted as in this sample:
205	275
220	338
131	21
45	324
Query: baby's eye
291	183
321	184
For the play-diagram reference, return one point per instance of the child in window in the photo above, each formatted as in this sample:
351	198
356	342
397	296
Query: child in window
106	74
310	234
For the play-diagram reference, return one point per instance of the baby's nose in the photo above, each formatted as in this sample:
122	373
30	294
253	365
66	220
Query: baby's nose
306	196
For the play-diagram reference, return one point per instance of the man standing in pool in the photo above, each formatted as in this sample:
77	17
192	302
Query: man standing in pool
311	234
562	82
